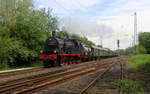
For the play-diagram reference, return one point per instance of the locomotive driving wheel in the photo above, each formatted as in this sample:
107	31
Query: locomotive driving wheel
48	63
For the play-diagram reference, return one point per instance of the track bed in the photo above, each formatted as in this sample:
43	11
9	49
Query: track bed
51	77
102	86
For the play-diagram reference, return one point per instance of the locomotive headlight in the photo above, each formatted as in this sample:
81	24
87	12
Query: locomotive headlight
55	51
41	51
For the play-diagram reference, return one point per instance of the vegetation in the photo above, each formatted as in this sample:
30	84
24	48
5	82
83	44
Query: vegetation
142	48
130	86
82	39
138	49
144	41
23	30
74	36
127	51
140	62
140	71
63	34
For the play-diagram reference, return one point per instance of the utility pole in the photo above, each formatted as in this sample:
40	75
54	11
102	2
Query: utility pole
101	40
118	43
135	32
101	36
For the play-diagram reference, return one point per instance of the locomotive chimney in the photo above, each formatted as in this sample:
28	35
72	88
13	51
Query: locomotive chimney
53	33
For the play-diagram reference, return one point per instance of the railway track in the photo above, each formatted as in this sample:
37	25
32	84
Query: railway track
31	70
94	86
31	84
12	73
8	77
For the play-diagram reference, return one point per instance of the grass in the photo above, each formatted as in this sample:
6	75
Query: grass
136	80
140	62
34	64
130	86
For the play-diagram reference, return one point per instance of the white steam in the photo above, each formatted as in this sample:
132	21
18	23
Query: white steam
85	27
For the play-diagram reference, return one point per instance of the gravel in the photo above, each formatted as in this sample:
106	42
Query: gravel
73	86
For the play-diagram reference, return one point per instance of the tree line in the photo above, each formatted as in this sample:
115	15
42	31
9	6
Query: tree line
143	46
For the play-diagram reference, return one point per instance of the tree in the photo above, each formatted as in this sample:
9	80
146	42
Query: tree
141	49
84	40
144	41
100	46
23	30
64	33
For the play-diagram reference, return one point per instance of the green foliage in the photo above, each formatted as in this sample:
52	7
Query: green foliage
145	67
132	50
12	50
63	34
100	46
140	62
23	30
74	36
130	87
144	40
4	51
141	49
127	51
84	40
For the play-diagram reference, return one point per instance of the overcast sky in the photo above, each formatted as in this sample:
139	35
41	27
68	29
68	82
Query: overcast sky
109	19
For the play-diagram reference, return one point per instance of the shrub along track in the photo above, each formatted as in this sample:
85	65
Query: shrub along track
36	82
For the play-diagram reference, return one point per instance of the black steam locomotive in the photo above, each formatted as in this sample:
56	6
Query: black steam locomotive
63	51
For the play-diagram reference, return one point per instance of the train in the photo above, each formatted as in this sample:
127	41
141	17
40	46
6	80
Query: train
60	51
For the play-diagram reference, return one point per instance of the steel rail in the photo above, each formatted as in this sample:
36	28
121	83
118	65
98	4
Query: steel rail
60	79
98	77
18	84
122	76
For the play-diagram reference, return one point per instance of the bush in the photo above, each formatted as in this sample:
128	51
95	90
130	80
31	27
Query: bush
130	87
13	53
145	67
138	60
141	49
144	40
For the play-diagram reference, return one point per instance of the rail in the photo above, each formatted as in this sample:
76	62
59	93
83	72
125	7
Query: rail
98	77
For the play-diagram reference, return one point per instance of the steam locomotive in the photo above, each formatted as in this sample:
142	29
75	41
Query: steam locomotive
64	51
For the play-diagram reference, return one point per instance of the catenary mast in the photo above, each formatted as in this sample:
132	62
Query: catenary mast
135	32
